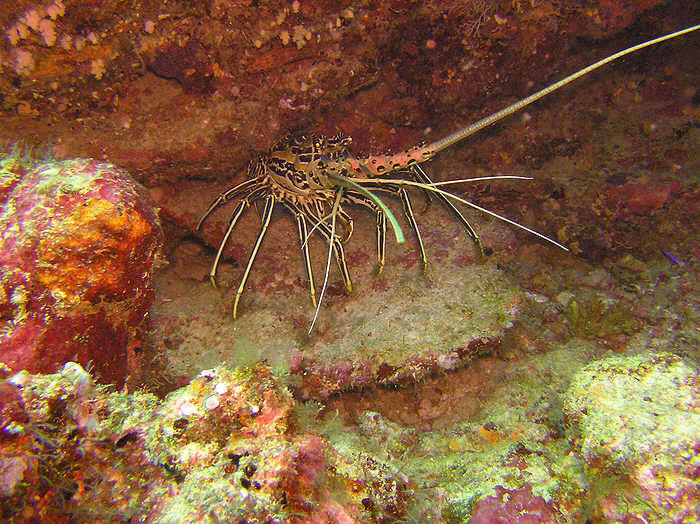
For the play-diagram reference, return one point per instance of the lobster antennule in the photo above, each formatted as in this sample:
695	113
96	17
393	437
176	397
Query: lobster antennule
429	150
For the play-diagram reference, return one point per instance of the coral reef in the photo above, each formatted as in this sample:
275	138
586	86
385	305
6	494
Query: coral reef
77	250
223	448
529	386
559	441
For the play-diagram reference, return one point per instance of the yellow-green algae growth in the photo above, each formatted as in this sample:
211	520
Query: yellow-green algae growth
606	440
533	434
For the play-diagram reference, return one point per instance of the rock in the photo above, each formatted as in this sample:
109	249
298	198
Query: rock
228	96
79	239
408	326
135	456
637	421
517	506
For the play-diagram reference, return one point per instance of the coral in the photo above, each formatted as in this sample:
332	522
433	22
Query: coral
508	455
542	451
637	419
115	456
183	94
79	239
187	63
634	198
612	446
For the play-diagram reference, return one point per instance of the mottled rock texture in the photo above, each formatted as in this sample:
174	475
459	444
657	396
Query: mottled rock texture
638	420
78	243
225	447
187	89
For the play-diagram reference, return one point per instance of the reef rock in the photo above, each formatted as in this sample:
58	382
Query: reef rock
638	424
79	239
394	329
517	507
224	449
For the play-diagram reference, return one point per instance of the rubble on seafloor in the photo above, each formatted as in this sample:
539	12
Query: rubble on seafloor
556	442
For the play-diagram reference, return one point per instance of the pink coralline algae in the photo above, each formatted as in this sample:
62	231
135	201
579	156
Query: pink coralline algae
637	198
517	506
79	239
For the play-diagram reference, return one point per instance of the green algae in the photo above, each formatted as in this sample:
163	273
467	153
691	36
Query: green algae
224	502
525	436
17	158
640	394
591	317
55	179
80	430
9	172
73	176
514	441
392	336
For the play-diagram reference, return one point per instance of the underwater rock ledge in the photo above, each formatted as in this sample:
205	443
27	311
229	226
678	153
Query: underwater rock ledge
222	448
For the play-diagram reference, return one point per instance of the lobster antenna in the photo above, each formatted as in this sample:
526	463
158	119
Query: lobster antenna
316	225
431	188
334	214
457	136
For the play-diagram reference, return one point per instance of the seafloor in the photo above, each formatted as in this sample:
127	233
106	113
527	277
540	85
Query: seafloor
527	385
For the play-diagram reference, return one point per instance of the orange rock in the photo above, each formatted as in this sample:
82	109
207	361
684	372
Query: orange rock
79	239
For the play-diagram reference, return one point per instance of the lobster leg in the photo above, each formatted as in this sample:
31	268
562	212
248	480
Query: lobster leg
251	185
381	223
325	232
423	177
362	200
347	225
236	215
303	230
408	211
267	214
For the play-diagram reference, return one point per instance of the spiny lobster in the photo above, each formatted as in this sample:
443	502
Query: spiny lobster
314	177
